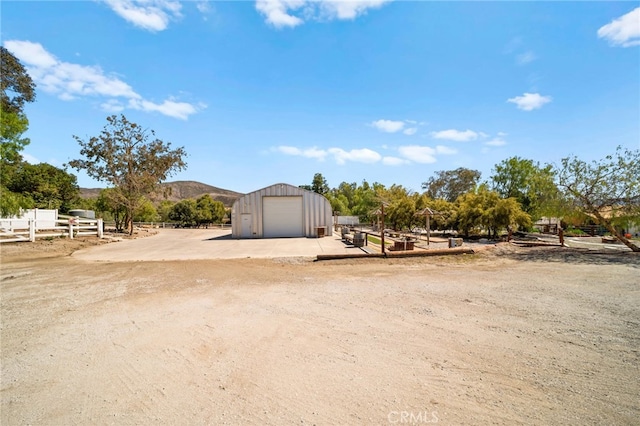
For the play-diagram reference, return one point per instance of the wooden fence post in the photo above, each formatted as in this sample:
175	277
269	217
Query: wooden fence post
32	230
99	224
71	221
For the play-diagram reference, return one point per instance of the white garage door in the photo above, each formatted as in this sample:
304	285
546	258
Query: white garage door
282	217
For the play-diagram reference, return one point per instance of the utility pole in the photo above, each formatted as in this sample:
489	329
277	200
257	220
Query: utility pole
382	230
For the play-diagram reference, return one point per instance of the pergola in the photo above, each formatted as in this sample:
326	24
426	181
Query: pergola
428	213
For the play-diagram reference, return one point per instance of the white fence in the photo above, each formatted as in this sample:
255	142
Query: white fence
45	219
347	220
30	229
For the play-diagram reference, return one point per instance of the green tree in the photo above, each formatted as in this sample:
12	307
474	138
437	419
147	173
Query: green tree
529	183
450	184
47	186
342	198
469	212
486	209
85	204
209	210
219	211
12	127
400	209
319	184
146	212
185	212
124	156
109	207
17	88
339	203
445	217
164	208
607	189
11	203
367	200
401	213
503	213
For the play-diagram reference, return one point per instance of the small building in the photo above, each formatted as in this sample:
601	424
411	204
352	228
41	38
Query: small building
281	210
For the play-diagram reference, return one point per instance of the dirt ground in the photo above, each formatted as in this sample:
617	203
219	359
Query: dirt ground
506	336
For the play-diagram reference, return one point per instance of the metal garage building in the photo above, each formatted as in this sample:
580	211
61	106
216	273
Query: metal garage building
280	210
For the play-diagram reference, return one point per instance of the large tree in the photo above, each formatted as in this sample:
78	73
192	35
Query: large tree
130	159
450	184
400	209
17	88
44	185
607	189
319	184
185	212
531	184
209	210
486	209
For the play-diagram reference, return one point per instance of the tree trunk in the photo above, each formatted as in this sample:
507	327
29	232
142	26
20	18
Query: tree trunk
129	222
607	224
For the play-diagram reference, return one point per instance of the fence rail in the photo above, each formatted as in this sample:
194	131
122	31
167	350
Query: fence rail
20	231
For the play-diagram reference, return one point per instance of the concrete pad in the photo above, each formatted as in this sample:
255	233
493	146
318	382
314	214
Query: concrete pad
185	244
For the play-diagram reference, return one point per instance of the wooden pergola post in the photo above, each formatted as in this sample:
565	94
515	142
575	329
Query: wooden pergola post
428	213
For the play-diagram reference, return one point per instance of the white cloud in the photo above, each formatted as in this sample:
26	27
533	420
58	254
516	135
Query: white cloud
203	6
152	15
31	53
291	13
424	154
394	161
410	131
181	110
340	155
525	58
445	150
408	154
71	81
530	101
388	126
623	31
318	154
276	12
419	154
112	105
455	135
363	155
348	9
496	142
502	134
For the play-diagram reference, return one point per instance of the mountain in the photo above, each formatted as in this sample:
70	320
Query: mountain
181	190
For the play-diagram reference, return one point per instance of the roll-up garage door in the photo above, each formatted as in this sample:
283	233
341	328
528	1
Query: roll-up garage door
282	217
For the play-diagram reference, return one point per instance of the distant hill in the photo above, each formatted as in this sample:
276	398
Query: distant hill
181	190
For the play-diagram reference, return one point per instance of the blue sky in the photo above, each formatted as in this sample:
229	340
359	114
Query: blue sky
261	92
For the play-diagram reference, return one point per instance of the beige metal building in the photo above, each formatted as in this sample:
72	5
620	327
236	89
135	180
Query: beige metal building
281	210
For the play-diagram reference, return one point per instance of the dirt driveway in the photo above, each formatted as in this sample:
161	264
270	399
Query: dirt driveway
507	336
190	244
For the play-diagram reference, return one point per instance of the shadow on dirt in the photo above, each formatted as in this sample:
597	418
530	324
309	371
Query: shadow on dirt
574	256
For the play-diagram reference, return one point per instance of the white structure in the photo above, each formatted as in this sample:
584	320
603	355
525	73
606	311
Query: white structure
348	220
45	219
280	210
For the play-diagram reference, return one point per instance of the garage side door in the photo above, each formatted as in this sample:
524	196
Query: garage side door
282	217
